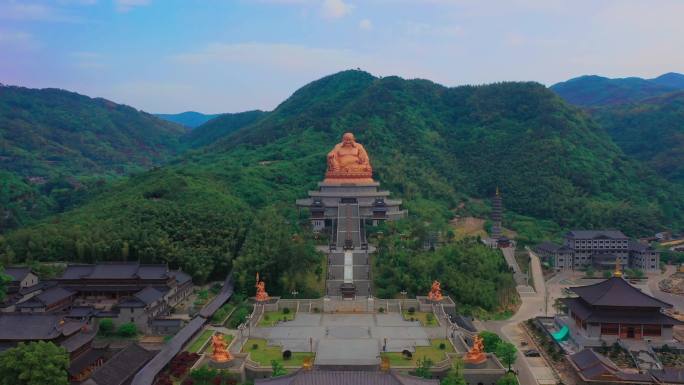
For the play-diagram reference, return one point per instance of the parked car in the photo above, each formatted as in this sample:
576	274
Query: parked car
532	353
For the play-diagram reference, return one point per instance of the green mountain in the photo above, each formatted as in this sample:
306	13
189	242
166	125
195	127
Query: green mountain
220	127
592	90
670	79
651	130
52	141
440	149
189	119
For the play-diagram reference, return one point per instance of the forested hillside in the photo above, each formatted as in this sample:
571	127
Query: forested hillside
53	142
220	127
592	90
645	117
433	146
189	119
651	130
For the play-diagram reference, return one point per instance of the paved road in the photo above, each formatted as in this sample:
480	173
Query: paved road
532	306
676	300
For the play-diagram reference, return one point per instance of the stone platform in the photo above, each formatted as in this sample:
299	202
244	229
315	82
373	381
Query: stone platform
348	340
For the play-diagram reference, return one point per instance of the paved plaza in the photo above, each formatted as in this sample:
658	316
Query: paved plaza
348	339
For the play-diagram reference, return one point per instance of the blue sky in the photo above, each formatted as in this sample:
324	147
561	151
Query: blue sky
234	55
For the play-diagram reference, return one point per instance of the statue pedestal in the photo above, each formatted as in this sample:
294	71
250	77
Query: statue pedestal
221	365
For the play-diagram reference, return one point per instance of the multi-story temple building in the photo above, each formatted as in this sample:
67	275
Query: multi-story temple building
615	310
598	248
346	202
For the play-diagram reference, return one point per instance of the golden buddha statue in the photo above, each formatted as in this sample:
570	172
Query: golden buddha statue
261	294
348	162
435	293
220	351
476	354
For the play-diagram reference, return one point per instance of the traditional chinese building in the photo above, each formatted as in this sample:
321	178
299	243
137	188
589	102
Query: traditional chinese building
614	309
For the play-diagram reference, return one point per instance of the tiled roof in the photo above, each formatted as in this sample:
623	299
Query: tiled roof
596	234
149	295
638	246
27	327
589	314
594	366
122	366
54	295
17	273
616	291
181	277
116	270
77	340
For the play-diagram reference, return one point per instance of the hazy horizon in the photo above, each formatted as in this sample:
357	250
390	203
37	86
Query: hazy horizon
229	56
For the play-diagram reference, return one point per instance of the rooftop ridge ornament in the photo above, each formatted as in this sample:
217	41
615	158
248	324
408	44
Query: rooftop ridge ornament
261	294
618	268
435	293
348	162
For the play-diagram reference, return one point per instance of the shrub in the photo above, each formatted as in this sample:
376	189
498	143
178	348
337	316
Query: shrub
407	354
255	346
490	340
266	317
287	355
429	317
411	310
381	310
316	309
442	346
286	310
106	326
127	330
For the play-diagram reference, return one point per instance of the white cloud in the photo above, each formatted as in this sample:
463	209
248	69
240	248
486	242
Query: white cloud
14	37
127	5
288	57
88	60
335	9
429	30
366	25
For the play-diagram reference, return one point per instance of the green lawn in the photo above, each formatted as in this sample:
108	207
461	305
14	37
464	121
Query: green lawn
263	354
430	321
432	352
270	318
199	341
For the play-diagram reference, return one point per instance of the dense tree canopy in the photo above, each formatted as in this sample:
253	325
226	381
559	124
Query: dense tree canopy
34	363
474	275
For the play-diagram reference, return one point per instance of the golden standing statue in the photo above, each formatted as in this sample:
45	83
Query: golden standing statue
220	351
435	293
261	294
476	354
348	162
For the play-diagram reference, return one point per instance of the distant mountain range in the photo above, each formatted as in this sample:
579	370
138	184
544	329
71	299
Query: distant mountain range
645	117
595	91
189	119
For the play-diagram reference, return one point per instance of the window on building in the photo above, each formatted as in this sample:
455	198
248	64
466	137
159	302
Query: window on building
609	329
652	330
